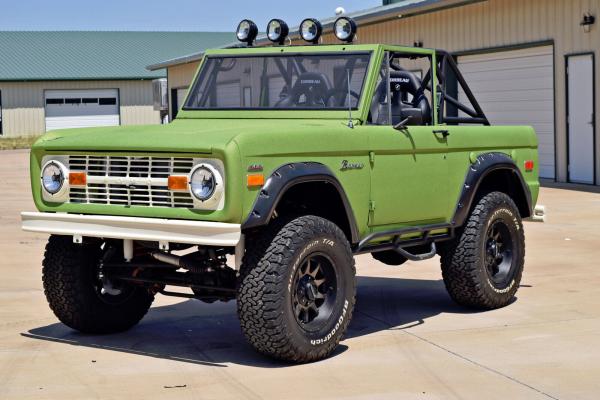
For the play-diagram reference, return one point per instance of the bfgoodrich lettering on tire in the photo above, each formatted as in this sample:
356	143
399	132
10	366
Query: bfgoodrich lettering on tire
482	266
297	289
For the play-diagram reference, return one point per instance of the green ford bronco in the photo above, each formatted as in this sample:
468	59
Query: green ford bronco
283	163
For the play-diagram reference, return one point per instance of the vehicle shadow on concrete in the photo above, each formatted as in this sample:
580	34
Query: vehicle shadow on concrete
209	334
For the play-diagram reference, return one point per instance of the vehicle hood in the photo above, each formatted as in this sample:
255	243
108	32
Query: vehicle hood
204	136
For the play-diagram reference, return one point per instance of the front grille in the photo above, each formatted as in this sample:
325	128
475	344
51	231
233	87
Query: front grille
132	181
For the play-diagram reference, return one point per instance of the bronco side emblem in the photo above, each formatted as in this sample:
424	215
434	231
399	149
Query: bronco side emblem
351	165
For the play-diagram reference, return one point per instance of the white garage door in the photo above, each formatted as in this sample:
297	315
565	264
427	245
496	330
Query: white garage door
81	108
517	88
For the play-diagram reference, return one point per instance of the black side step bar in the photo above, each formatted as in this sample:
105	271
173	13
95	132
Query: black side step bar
418	257
397	244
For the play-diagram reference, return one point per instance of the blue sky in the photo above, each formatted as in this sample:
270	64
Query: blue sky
177	15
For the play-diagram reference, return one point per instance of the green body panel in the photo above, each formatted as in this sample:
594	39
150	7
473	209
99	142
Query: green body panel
411	177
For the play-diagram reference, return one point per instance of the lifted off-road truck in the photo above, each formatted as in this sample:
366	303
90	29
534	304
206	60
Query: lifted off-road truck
283	163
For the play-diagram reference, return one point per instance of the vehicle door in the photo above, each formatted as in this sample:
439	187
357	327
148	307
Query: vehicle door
408	155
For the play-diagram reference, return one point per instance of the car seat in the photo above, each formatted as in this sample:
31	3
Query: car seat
310	90
401	83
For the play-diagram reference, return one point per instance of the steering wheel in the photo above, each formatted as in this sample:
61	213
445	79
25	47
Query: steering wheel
336	91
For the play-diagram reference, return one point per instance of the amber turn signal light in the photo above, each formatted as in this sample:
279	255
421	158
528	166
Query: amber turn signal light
178	182
77	178
255	180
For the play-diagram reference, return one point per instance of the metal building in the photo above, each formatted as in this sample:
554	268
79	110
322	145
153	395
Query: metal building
528	62
53	80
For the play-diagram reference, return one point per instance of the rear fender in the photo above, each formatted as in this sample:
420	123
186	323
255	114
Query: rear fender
486	164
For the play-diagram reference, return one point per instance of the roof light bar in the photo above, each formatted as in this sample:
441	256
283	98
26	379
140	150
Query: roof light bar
277	31
246	31
345	29
311	30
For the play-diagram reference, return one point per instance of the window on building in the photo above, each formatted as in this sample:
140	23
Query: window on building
1	132
55	101
107	101
73	101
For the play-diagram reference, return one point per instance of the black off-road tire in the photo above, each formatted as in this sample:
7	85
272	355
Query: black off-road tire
466	274
268	280
71	288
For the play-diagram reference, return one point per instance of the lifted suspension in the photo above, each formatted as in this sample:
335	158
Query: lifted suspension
205	273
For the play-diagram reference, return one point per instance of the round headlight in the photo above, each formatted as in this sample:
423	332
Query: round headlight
277	31
344	29
310	30
203	182
246	31
53	177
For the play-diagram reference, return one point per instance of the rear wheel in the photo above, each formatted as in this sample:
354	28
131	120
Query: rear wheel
296	291
81	297
483	265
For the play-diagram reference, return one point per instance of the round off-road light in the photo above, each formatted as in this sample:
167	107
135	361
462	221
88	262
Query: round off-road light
311	30
277	31
344	29
246	31
53	177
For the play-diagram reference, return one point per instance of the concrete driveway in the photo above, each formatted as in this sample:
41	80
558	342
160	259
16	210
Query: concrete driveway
407	339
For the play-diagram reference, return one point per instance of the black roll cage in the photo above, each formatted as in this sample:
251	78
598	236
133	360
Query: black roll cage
444	62
476	115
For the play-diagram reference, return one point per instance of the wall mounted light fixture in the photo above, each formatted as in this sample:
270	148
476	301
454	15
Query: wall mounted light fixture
587	22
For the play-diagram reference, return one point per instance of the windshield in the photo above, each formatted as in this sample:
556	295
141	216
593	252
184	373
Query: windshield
298	82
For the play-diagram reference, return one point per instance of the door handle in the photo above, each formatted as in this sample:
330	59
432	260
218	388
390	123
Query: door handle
444	132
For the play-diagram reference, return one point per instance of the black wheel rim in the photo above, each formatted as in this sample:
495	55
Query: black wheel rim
499	254
314	291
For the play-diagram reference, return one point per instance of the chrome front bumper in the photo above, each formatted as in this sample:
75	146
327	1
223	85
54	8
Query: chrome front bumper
164	231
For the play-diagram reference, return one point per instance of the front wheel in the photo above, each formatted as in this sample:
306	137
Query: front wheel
81	297
297	289
483	265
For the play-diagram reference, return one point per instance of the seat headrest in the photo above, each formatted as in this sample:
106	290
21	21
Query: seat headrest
404	81
312	79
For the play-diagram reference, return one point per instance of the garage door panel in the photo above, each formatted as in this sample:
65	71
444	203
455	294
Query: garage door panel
510	85
533	96
546	105
512	73
546	171
53	123
546	140
507	65
516	88
533	55
81	108
524	117
53	110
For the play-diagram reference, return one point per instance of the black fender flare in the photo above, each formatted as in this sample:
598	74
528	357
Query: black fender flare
282	179
484	165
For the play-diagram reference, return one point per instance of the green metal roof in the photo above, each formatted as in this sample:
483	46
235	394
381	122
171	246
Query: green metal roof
85	55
